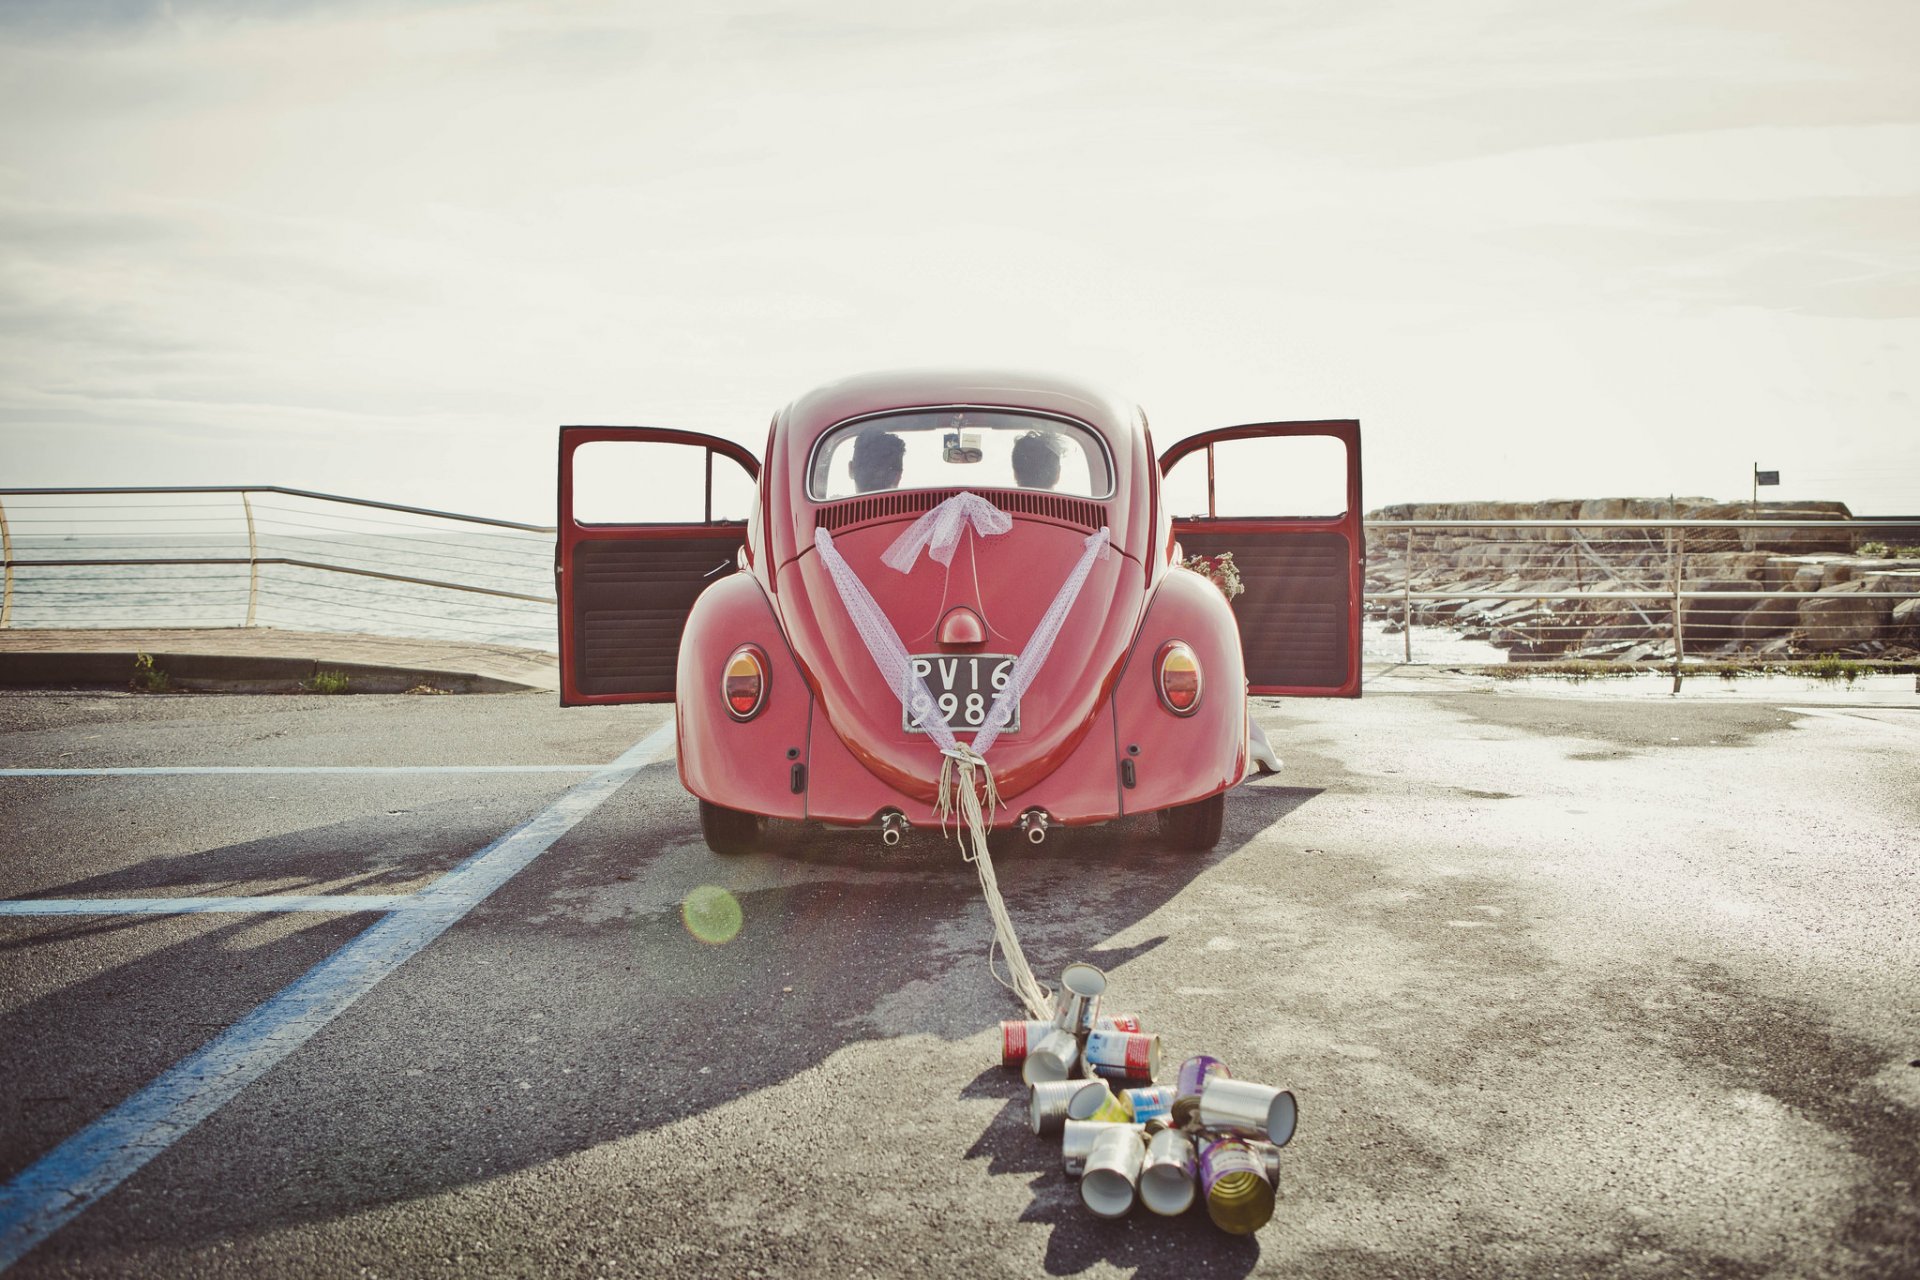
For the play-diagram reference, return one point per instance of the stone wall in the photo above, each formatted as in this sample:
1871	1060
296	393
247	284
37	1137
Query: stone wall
1474	567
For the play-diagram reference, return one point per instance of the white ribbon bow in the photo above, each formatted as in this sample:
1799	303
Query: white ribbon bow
939	530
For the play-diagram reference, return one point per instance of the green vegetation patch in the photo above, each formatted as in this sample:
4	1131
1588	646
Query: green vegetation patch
148	678
326	682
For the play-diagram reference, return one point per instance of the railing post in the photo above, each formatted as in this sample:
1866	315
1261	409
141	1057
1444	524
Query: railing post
1406	601
1679	632
6	554
253	560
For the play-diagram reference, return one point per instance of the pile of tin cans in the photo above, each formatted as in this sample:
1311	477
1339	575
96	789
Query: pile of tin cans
1091	1080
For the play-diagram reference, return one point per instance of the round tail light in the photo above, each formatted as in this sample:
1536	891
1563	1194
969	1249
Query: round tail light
743	686
1179	678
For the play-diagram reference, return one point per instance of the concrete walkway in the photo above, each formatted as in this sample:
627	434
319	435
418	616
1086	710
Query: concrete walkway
265	660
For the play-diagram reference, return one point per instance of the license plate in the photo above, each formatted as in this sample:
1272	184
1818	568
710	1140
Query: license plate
964	687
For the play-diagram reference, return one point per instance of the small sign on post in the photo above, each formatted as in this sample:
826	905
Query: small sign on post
1759	478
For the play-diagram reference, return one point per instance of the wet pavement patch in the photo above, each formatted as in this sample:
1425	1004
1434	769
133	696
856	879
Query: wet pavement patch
1639	724
1786	1050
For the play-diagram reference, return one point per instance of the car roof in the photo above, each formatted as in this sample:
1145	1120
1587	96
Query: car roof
1112	415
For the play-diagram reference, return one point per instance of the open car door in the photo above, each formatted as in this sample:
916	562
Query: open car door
1284	498
648	518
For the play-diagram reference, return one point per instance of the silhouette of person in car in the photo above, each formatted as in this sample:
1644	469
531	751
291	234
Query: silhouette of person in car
877	459
1036	460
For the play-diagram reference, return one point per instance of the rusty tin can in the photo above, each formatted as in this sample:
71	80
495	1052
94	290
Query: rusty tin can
1018	1036
1254	1110
1167	1173
1122	1055
1192	1078
1112	1176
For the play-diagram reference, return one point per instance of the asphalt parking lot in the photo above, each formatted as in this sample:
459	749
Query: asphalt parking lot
1565	985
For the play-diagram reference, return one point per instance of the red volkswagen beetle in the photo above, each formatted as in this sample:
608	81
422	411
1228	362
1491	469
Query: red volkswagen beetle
930	558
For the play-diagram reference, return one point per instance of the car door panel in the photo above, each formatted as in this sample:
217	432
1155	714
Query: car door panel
1299	615
625	589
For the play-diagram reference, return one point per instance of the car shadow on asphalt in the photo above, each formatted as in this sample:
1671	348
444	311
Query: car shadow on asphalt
549	1023
367	854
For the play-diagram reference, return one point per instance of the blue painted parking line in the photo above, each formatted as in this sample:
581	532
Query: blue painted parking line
64	1182
337	902
177	771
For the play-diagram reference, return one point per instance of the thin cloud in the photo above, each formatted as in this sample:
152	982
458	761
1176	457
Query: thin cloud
409	228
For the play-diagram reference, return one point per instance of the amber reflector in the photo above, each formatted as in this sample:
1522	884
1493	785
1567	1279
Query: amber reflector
744	686
1179	678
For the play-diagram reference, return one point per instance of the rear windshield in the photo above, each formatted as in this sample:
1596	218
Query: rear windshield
959	449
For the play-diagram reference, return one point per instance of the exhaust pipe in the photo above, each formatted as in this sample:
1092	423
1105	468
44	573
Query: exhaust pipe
1034	822
893	825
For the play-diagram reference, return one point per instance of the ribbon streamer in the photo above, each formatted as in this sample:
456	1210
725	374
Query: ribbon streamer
960	790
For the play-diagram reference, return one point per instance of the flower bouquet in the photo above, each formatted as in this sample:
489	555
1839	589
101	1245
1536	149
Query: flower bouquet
1219	570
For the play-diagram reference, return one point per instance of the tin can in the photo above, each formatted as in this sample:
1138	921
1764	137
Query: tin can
1077	1007
1242	1107
1154	1102
1122	1055
1112	1175
1050	1059
1166	1175
1233	1180
1050	1103
1269	1160
1076	1142
1193	1077
1100	1103
1017	1037
1119	1022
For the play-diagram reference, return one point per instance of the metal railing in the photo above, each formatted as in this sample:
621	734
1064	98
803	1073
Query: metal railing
1649	590
1624	591
266	555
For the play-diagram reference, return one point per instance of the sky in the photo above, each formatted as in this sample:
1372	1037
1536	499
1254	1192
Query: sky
1540	249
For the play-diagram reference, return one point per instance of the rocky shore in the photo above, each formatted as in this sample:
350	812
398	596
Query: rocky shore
1477	571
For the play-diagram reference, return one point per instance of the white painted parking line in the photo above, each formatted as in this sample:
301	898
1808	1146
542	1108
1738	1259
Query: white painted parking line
336	902
176	771
64	1182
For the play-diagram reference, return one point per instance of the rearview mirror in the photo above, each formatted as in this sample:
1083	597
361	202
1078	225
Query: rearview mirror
962	446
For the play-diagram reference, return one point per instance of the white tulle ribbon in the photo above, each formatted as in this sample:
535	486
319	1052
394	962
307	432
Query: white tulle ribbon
1040	644
883	643
938	531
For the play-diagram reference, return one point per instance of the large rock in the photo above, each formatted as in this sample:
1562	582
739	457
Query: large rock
1768	619
1872	577
1781	572
1840	618
1708	624
1750	566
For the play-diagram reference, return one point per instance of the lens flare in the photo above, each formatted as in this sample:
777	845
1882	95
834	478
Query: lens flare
711	914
